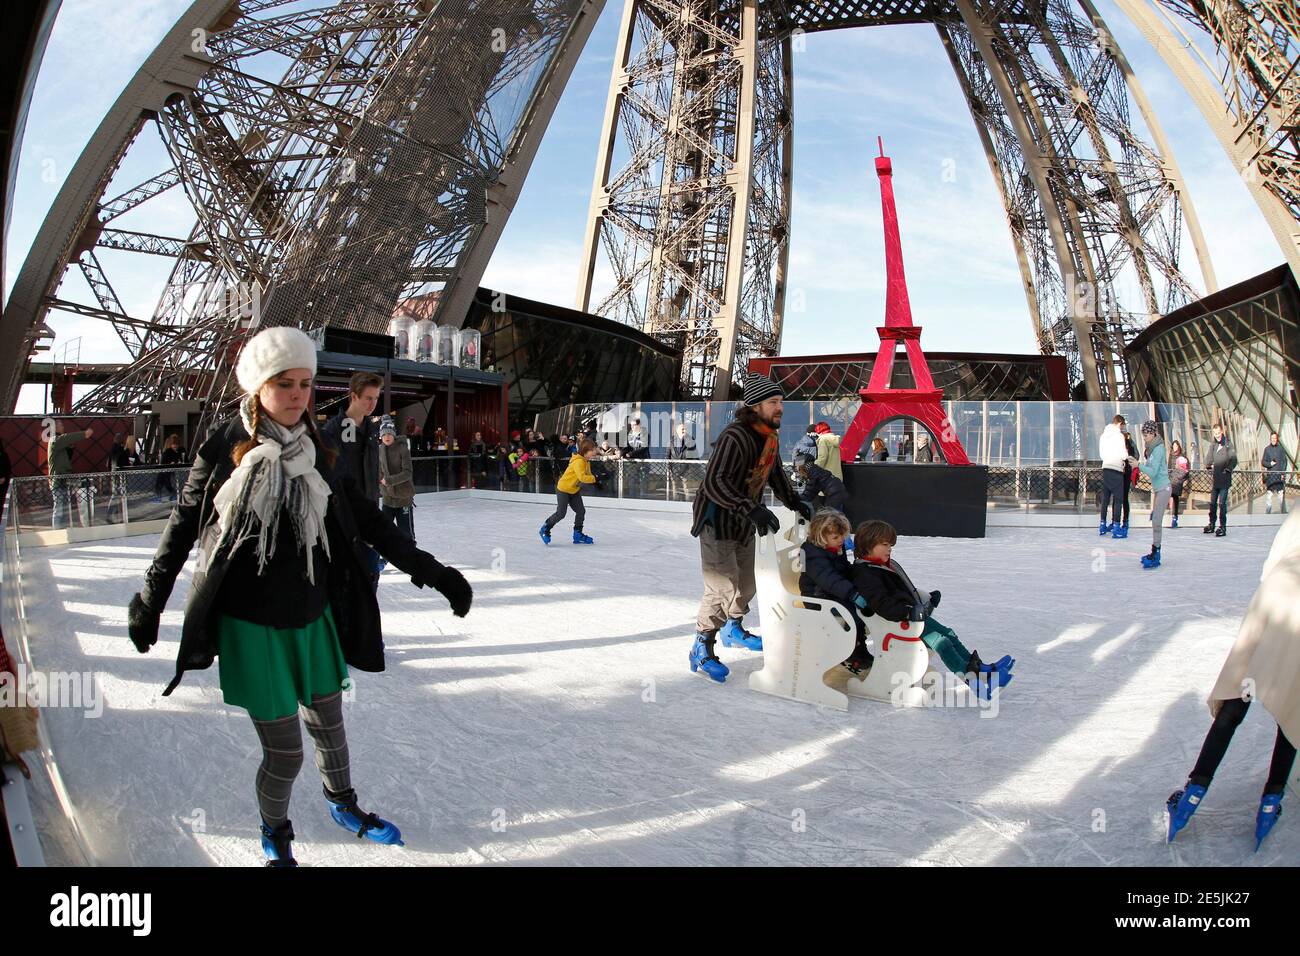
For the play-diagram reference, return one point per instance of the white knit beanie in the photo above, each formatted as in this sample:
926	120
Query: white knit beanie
272	351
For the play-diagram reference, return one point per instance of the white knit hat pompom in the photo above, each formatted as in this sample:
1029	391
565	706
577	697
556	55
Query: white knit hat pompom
272	351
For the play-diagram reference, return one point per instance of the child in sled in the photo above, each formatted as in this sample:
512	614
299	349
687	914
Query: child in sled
890	593
827	573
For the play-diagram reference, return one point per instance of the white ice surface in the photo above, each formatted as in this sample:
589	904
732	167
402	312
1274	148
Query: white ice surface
559	724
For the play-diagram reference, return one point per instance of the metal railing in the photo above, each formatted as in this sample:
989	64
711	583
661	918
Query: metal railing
94	499
13	614
146	494
1038	488
1078	489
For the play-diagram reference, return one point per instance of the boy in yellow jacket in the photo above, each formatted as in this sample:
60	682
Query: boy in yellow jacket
568	493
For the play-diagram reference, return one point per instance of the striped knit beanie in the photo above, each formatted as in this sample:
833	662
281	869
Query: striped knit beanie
759	387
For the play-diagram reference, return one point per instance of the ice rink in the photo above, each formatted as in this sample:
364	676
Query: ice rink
558	723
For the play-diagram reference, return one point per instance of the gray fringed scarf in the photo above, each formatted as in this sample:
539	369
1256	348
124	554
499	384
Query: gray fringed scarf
278	473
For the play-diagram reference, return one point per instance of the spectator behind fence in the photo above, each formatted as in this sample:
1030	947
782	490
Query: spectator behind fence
924	450
1275	467
58	457
682	448
878	450
828	450
1179	469
1220	462
636	449
805	447
164	481
478	461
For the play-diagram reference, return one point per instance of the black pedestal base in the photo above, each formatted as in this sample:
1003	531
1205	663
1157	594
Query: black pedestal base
946	501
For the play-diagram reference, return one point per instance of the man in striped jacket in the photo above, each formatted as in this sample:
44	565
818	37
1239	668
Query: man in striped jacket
728	509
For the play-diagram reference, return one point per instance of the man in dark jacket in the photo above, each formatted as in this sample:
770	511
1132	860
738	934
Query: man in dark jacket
354	435
1274	464
1221	460
728	509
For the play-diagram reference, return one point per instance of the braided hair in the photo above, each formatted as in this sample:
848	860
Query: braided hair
252	441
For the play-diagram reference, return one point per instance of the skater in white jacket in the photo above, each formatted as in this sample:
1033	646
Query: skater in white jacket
1114	472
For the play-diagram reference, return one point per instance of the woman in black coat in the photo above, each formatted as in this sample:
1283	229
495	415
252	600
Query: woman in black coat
282	596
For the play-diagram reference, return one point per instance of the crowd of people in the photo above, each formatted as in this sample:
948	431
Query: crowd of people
295	525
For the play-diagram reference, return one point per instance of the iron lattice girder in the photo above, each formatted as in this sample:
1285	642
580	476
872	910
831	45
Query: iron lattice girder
1258	48
334	157
1090	205
693	225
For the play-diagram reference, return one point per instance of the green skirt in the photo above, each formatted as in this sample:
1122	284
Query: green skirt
268	671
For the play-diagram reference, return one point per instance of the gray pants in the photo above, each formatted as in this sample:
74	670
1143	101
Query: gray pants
728	580
1159	501
1281	499
563	502
282	754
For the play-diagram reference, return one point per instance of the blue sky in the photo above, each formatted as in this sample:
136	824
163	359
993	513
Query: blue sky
850	86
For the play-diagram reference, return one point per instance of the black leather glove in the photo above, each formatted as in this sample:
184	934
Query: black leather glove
806	509
934	599
764	521
141	624
920	611
447	581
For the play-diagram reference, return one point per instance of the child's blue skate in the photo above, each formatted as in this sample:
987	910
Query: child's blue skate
1270	809
1119	531
1151	560
275	844
702	660
999	675
348	815
733	634
1103	529
1179	808
545	532
580	538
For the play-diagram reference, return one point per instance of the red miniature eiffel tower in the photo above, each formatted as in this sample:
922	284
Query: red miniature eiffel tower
880	403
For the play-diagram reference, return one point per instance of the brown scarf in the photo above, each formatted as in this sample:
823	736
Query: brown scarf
758	477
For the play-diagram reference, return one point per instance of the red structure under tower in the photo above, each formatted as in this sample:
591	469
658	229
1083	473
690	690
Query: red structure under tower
880	403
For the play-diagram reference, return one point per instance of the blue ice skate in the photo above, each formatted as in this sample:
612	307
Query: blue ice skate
1174	523
580	538
1151	560
733	634
998	675
702	660
275	844
348	815
1119	531
1179	808
1270	809
545	532
1103	529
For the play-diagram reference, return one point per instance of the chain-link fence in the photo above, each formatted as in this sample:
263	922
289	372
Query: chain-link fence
1060	489
147	494
1078	489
